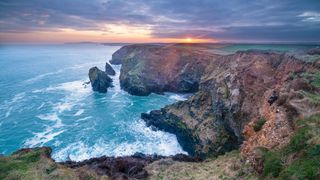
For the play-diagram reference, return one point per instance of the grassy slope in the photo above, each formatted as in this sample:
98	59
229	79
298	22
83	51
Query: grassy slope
35	164
228	166
301	158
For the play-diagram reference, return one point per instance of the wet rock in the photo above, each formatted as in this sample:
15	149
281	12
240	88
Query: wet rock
109	70
100	81
126	167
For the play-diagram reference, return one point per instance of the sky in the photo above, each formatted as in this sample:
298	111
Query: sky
132	21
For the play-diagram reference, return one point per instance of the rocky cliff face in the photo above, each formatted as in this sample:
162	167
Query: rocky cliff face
36	163
157	68
233	93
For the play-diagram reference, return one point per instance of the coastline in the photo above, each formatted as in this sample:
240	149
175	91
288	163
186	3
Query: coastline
226	88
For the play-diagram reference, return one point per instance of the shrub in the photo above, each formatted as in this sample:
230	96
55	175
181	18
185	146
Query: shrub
272	164
259	124
299	140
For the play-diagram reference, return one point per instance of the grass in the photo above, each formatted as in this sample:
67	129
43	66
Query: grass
312	78
228	166
272	164
259	124
301	158
34	164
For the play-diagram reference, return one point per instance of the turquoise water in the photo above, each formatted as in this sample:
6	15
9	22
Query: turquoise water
43	102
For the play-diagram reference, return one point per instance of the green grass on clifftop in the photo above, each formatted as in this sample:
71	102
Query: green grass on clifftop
301	158
34	164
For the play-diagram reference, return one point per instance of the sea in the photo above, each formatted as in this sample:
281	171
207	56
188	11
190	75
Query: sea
44	101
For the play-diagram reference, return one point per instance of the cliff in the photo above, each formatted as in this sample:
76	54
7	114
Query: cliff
253	114
158	68
247	100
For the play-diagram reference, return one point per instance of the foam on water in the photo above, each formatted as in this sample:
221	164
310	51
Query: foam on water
149	142
79	112
41	76
77	66
41	138
179	97
55	109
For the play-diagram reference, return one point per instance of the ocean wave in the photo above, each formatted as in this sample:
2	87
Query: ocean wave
63	106
41	106
8	113
79	112
77	66
9	105
83	119
41	76
52	117
41	138
148	142
179	97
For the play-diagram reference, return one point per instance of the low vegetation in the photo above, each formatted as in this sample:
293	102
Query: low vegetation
259	124
36	164
229	166
301	158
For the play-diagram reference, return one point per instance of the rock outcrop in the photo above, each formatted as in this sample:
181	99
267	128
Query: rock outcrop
109	70
100	81
233	94
158	68
36	163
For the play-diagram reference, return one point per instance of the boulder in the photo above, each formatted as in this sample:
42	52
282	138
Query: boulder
100	81
109	70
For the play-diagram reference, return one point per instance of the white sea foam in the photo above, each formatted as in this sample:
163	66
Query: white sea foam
116	82
147	142
41	138
41	106
79	112
83	119
178	97
63	106
8	113
10	105
52	117
77	66
18	97
41	76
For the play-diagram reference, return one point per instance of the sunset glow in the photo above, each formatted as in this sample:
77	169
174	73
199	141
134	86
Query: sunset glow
157	21
189	40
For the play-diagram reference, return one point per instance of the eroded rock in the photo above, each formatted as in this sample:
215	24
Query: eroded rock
157	68
100	81
109	70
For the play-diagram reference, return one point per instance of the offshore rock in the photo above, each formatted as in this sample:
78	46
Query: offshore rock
100	81
109	70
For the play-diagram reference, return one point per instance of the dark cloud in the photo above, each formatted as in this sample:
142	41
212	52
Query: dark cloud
234	20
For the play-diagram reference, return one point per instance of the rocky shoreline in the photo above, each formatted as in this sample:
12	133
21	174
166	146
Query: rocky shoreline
252	101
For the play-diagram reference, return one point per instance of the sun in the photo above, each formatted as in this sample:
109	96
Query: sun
188	40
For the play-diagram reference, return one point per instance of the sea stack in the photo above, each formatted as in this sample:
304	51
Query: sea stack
109	70
100	81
